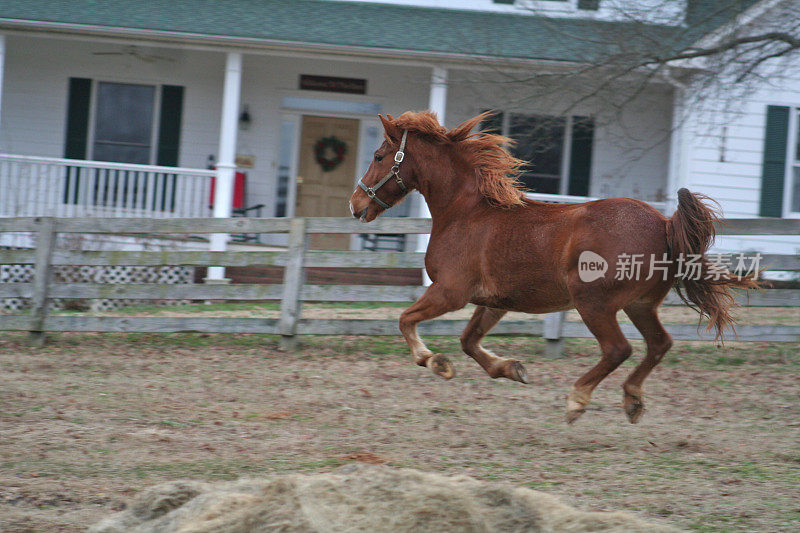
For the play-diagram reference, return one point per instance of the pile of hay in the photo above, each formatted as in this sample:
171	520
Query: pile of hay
358	497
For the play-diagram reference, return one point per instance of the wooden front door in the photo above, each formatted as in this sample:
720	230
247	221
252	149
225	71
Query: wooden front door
321	192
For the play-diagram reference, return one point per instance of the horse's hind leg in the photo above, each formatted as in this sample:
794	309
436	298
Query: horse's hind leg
615	350
435	302
479	325
645	317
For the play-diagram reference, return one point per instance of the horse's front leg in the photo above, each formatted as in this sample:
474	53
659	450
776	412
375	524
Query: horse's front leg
436	301
484	319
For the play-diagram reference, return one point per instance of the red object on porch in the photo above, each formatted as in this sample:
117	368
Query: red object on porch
238	190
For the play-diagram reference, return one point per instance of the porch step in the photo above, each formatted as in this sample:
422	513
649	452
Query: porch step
322	276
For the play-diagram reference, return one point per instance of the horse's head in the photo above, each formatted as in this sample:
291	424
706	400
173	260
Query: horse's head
388	179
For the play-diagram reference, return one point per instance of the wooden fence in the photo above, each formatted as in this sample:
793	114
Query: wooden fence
293	291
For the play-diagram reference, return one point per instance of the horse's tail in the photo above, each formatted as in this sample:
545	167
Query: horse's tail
690	232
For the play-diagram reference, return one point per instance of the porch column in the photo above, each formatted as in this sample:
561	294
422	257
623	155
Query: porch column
676	171
226	162
437	102
2	70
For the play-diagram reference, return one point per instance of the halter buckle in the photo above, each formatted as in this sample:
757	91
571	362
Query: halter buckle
398	157
370	192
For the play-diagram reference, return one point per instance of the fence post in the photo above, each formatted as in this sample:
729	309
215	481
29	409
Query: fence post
553	326
45	241
293	279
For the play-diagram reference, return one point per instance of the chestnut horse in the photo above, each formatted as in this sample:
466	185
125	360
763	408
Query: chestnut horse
491	246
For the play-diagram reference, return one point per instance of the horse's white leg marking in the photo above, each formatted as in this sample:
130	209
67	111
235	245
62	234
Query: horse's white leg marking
420	352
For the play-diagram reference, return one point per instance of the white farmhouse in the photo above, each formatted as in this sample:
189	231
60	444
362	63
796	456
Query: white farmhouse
120	107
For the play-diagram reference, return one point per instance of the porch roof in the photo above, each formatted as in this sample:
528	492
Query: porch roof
356	26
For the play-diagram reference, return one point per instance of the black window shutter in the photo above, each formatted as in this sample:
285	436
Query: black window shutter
592	5
77	134
773	170
169	128
580	159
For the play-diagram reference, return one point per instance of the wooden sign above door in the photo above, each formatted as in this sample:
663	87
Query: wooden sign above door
333	84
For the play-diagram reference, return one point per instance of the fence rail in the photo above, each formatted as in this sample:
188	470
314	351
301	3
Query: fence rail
293	291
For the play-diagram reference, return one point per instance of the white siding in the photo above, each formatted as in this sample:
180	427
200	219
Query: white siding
725	152
36	81
268	79
37	73
631	149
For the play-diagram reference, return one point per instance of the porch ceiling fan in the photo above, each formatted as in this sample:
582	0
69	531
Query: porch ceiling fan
136	53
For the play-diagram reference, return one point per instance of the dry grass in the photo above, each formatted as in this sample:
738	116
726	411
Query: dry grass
360	498
90	420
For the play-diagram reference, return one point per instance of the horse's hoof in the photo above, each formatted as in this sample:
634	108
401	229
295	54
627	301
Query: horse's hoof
574	414
574	410
441	366
517	372
634	409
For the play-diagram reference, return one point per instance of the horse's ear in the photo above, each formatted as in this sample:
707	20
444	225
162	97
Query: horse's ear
391	129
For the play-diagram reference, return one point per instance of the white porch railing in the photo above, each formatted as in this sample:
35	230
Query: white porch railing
565	199
44	186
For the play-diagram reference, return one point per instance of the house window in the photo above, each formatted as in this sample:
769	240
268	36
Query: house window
539	139
123	123
794	166
558	150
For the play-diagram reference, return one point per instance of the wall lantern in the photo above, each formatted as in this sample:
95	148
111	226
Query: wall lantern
244	119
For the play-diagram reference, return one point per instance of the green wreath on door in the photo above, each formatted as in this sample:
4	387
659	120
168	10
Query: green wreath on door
329	152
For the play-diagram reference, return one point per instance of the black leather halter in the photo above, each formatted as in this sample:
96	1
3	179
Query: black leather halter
393	172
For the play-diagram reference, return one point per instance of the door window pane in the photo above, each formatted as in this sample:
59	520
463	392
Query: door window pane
539	140
284	167
123	125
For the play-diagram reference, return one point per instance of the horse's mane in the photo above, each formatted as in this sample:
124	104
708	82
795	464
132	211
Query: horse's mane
497	170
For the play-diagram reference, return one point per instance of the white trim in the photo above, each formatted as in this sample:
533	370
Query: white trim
566	153
158	92
318	99
106	165
356	243
568	199
2	71
91	118
676	168
293	158
291	196
226	164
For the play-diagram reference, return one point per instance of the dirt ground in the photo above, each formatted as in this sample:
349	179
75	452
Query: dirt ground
89	420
